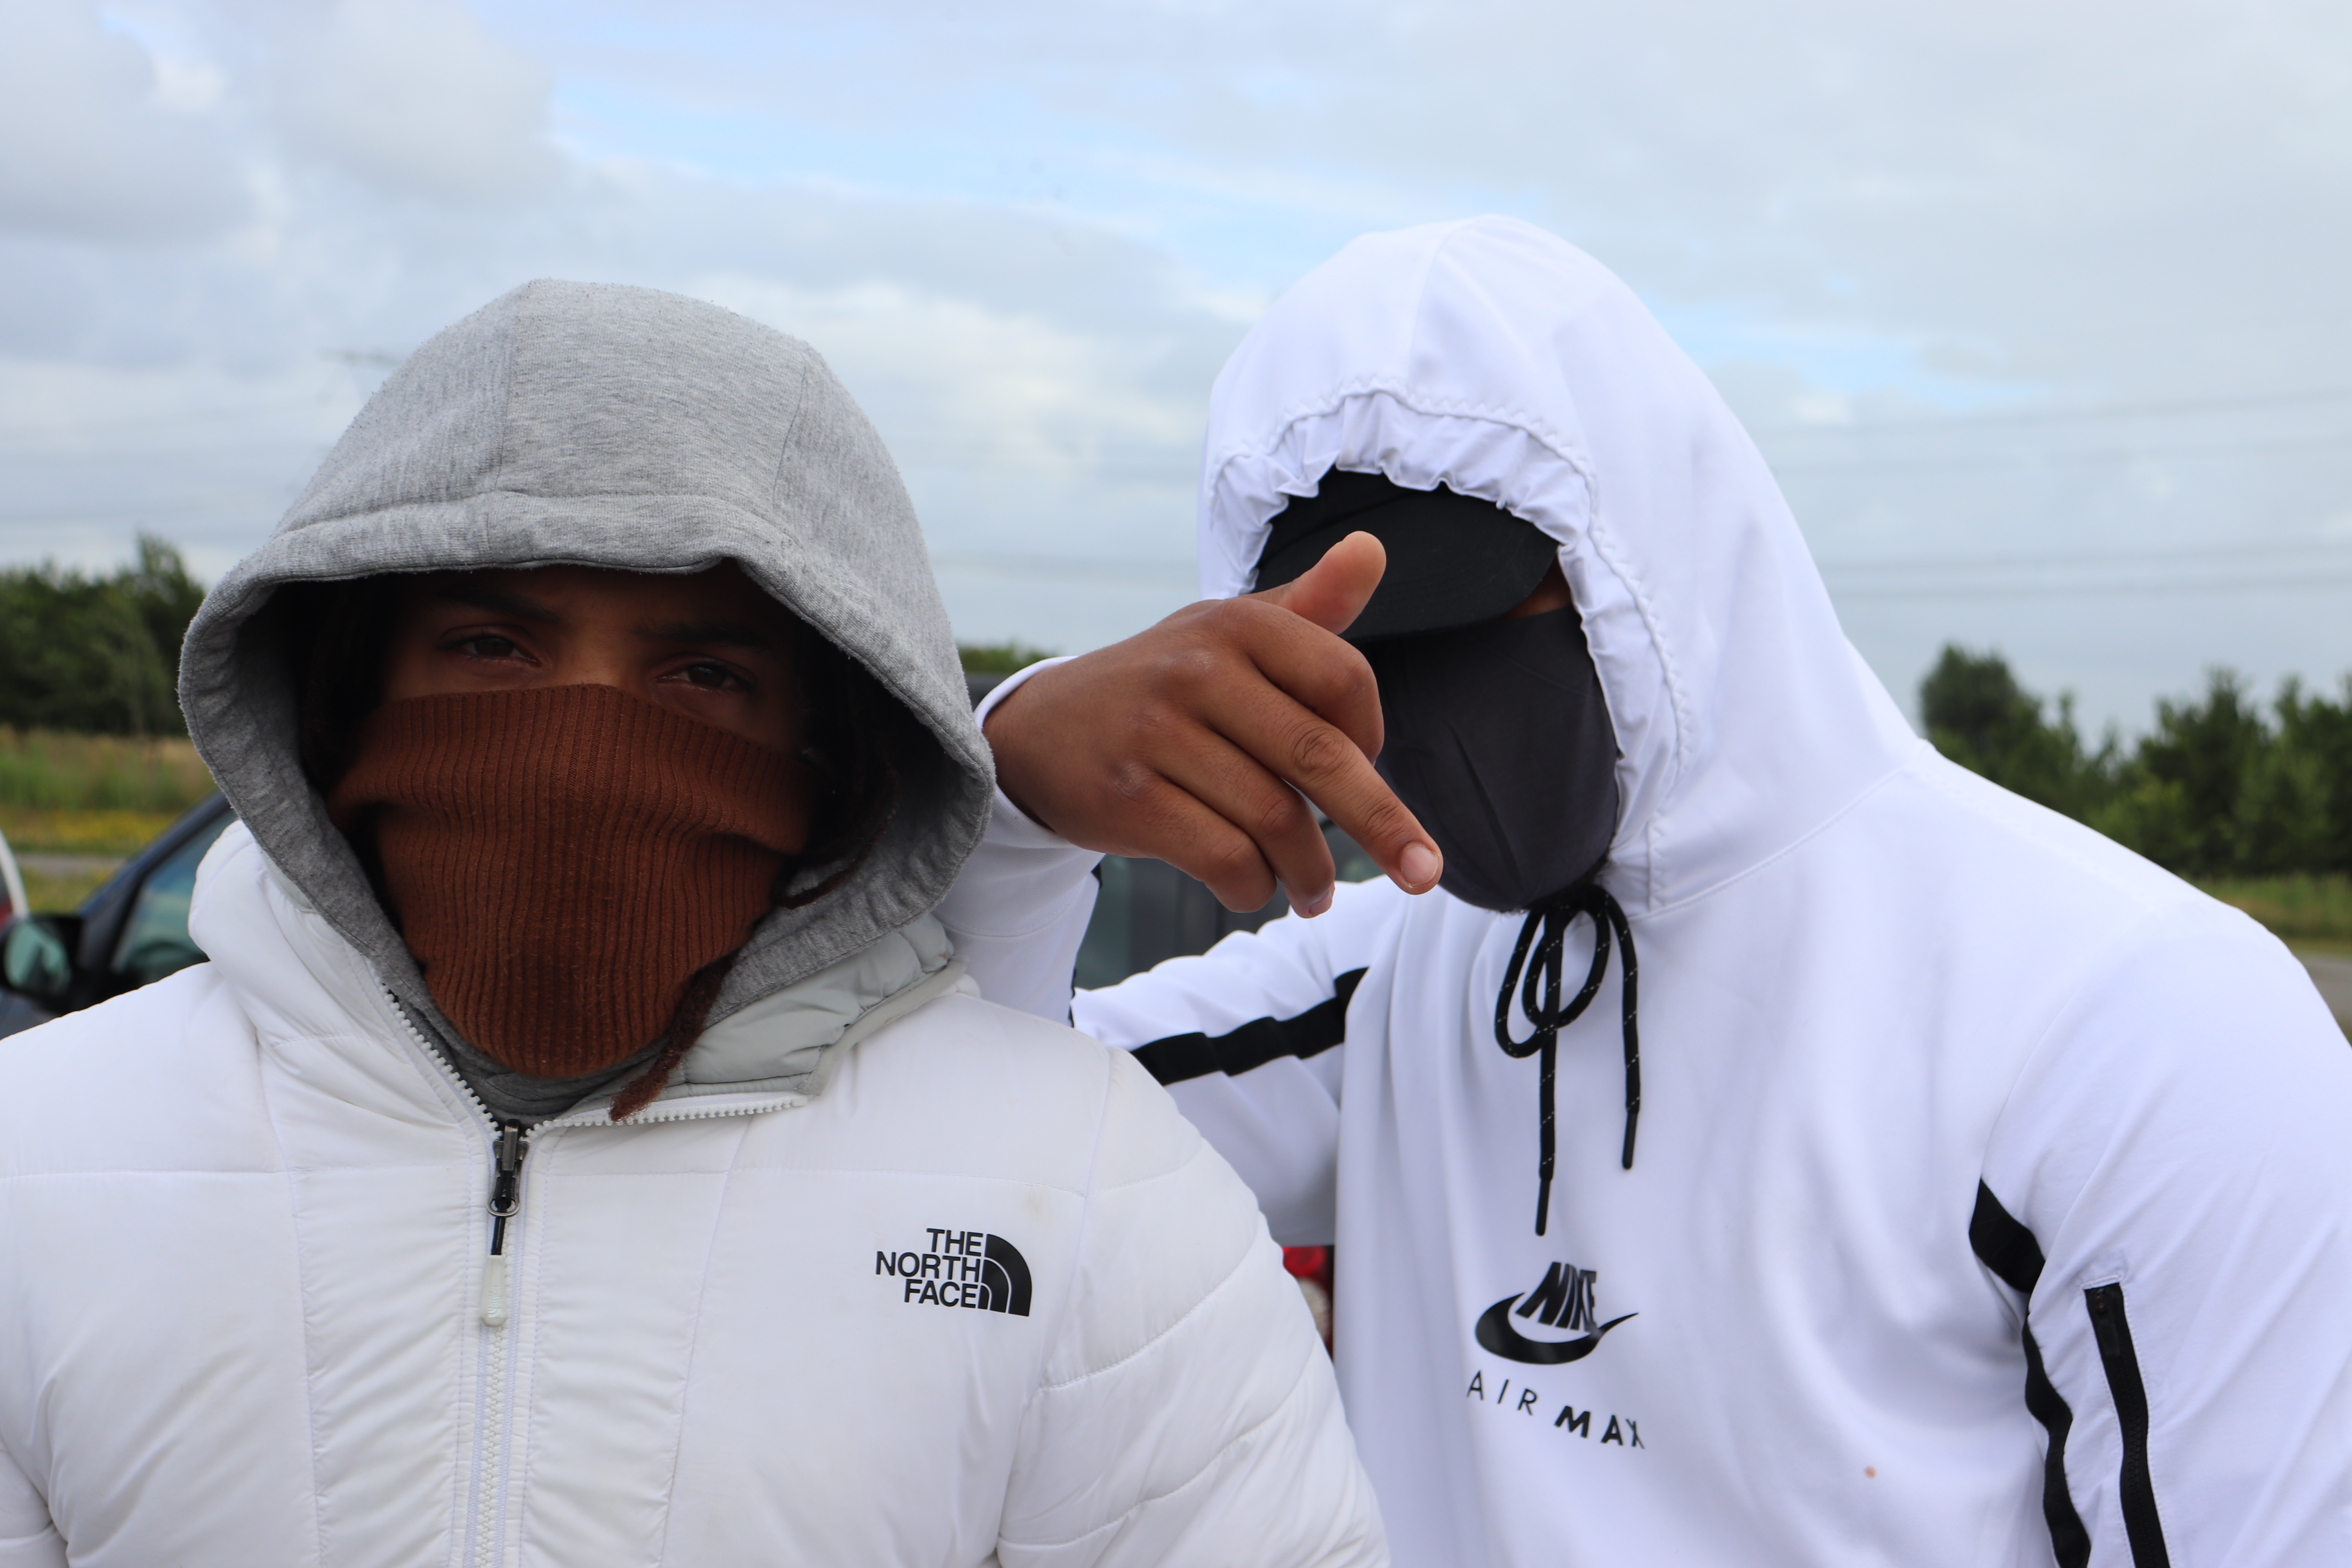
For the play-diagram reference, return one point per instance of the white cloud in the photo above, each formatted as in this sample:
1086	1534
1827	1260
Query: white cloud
978	387
96	147
416	97
1028	235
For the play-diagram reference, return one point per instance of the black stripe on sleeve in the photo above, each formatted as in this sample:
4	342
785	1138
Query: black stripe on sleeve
1255	1043
2134	1487
2009	1250
2007	1247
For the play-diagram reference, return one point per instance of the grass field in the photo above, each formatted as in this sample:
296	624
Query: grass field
81	802
61	890
44	771
2310	912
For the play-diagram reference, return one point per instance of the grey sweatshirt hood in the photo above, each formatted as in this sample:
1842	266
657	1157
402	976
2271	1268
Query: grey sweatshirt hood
595	424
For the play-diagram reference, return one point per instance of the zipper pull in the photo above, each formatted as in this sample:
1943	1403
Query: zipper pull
506	1201
494	1290
2103	1322
506	1192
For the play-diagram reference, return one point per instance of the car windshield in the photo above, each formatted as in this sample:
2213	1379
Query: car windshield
154	941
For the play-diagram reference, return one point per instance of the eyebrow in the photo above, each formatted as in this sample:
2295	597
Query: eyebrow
721	634
476	596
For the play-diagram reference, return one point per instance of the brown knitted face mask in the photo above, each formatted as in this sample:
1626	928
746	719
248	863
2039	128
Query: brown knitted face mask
562	861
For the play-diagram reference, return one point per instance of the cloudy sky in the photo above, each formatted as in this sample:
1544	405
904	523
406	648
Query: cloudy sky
2039	311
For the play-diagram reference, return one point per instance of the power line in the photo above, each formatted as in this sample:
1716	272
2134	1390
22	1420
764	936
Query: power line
2013	458
1072	569
163	420
2096	589
318	446
2071	415
2087	557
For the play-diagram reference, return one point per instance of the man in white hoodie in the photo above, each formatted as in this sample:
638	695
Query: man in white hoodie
1964	1190
585	1146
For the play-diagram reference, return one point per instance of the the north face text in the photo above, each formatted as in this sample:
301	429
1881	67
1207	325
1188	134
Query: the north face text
962	1269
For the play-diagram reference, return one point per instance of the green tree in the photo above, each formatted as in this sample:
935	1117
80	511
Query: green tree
1978	715
2319	733
95	653
2202	811
2216	789
999	657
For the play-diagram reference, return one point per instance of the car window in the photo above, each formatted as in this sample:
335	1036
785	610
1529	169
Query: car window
1147	911
154	941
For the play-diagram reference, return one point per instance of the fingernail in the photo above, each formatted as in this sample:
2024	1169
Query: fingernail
1322	901
1420	865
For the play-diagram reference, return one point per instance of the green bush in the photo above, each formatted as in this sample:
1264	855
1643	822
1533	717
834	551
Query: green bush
96	655
1978	716
2217	789
999	657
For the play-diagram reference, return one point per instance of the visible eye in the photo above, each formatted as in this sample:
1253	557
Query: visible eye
489	646
712	676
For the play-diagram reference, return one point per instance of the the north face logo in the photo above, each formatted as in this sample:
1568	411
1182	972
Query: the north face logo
1564	1300
963	1268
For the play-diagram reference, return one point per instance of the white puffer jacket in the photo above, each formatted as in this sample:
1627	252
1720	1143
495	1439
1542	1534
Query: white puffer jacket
972	1292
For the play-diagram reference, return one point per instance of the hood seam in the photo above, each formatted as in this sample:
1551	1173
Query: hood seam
497	487
1600	533
784	437
1803	839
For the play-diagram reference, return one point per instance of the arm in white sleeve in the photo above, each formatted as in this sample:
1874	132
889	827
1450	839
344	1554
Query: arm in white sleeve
27	1538
2168	1195
1250	1036
1188	1414
1020	907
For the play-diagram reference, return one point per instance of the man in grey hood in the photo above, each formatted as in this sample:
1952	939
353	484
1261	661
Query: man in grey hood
584	1144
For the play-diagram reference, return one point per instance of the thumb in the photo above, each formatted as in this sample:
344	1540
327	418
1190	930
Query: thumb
1333	592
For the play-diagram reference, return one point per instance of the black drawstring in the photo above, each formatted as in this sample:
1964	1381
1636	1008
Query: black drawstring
1552	916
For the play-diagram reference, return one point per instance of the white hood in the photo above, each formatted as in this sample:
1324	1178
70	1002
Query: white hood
1932	1080
1504	363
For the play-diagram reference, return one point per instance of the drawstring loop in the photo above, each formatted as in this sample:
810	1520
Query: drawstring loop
1549	921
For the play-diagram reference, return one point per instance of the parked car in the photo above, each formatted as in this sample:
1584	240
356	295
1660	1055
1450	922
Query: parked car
131	931
12	884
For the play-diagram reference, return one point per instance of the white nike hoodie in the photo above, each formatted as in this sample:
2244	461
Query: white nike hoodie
1991	1202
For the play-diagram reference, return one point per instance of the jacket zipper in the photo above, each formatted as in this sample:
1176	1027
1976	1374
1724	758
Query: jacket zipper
2136	1488
511	1140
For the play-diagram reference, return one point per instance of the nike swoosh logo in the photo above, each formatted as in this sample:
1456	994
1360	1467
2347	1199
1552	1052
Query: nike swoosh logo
1495	1333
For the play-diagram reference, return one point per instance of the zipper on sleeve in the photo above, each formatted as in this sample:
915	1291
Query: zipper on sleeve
2136	1488
506	1201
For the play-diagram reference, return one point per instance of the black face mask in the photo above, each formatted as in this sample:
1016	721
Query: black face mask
1499	740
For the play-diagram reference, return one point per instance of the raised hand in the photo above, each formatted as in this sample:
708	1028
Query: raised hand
1193	742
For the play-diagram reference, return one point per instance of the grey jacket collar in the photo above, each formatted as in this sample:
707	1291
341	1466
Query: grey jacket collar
790	1040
